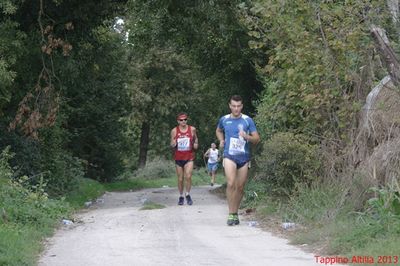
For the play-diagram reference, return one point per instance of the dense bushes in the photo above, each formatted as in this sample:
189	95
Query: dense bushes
43	161
26	216
287	160
157	168
22	203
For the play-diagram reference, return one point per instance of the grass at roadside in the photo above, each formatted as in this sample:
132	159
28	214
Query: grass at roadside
152	206
327	223
199	178
87	190
26	217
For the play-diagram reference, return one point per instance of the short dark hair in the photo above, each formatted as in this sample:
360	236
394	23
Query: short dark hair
236	98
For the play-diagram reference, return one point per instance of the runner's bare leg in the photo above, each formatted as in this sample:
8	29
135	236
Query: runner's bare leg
179	173
241	178
188	169
230	173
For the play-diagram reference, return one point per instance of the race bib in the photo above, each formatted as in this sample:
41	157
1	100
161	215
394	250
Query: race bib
236	146
183	144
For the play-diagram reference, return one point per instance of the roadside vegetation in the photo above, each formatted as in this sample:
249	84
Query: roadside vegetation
327	222
341	216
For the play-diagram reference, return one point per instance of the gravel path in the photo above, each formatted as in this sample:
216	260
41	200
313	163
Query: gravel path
115	231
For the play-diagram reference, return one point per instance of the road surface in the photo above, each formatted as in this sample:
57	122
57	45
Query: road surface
114	231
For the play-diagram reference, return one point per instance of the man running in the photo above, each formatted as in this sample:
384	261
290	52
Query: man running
184	141
235	132
212	162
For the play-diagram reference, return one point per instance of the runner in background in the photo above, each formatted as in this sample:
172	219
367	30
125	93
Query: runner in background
212	162
184	141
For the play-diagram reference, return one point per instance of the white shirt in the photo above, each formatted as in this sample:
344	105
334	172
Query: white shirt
212	156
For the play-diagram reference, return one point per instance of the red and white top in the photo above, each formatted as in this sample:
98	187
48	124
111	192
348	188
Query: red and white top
184	145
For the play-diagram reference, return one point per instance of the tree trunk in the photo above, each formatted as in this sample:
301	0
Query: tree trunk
387	54
144	144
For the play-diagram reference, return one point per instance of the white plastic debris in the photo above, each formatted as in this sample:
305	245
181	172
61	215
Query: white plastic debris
143	200
100	201
67	222
253	223
288	225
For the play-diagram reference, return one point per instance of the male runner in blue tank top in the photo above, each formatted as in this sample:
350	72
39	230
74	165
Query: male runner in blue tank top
235	132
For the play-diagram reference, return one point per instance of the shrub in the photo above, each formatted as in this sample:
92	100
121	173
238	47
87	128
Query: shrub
157	168
25	205
287	160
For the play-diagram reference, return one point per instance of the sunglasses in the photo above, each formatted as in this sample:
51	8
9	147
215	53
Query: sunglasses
182	120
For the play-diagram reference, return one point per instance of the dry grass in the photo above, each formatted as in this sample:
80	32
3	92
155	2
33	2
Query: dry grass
376	149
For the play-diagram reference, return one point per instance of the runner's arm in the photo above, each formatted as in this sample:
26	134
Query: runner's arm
173	140
207	153
219	156
220	136
195	139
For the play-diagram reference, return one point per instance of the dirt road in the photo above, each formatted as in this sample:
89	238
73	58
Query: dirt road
115	232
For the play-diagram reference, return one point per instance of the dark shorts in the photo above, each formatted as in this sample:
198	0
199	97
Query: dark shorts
238	161
181	163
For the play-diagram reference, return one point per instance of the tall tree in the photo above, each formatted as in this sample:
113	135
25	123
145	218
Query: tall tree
48	46
207	36
161	85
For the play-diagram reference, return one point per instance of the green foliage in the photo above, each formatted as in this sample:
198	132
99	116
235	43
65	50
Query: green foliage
318	204
26	216
386	203
19	245
362	232
11	40
254	193
309	59
286	161
5	168
32	207
181	49
45	163
60	170
54	42
8	7
96	104
86	190
155	169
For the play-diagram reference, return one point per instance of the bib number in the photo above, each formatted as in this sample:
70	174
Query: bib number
183	144
236	146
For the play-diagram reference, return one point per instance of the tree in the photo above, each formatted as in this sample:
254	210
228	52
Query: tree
161	85
209	42
48	46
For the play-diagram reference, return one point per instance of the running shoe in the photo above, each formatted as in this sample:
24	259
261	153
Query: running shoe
236	219
180	202
189	200
233	219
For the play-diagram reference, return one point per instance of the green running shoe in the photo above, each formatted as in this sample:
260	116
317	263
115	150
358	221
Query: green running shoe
236	219
231	220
